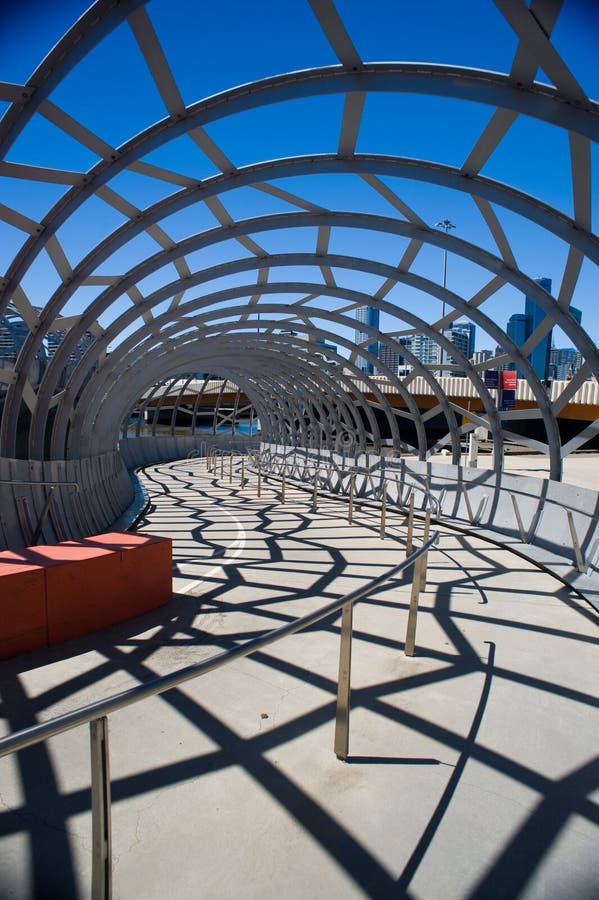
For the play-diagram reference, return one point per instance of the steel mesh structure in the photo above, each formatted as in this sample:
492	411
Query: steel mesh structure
225	299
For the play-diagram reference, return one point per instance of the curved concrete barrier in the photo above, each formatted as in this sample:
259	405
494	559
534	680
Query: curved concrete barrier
150	449
553	524
90	495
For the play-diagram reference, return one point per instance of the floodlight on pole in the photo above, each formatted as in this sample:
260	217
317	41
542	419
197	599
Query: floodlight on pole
446	225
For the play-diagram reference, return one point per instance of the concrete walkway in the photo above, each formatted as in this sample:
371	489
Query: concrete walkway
473	768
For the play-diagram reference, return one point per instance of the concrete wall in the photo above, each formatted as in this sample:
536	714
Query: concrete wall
147	450
91	494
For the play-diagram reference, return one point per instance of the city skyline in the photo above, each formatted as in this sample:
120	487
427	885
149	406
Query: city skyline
547	360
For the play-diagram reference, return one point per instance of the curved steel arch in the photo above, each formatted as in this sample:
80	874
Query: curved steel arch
459	83
512	199
474	254
87	32
564	106
274	383
191	349
393	226
258	225
341	376
385	306
443	403
349	418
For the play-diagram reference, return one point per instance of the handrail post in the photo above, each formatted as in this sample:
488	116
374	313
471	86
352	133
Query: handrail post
580	563
383	515
341	745
352	488
427	528
222	465
101	828
283	487
410	535
242	471
259	492
40	525
231	469
413	613
315	491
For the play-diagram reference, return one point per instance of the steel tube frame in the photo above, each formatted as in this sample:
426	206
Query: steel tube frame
565	106
489	325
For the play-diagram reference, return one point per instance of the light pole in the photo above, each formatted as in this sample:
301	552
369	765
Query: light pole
446	225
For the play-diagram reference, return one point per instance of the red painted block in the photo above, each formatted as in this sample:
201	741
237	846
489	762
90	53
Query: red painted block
22	606
146	573
81	586
146	569
52	593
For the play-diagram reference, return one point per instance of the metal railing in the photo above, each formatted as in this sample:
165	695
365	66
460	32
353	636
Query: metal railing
96	714
37	533
558	524
265	464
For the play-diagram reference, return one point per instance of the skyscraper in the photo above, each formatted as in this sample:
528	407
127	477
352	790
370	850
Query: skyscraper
517	330
539	357
369	316
564	362
521	325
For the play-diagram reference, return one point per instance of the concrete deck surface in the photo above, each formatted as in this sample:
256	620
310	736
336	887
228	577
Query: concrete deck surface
473	768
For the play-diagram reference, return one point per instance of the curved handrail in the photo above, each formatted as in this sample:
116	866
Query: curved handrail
358	470
42	483
19	740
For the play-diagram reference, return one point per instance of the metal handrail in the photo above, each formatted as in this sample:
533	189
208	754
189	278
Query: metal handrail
65	722
41	483
357	470
561	503
96	713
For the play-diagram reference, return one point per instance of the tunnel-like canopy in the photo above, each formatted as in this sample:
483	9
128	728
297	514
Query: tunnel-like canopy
191	192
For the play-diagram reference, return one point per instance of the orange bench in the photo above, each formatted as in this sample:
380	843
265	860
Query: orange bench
52	593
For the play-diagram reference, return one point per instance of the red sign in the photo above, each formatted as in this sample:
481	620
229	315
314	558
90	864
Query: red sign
509	380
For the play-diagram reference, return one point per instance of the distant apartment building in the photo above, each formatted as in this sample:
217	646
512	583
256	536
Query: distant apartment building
426	349
13	334
564	363
481	356
390	356
462	335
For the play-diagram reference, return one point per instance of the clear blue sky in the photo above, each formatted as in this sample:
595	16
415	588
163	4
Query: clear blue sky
211	47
